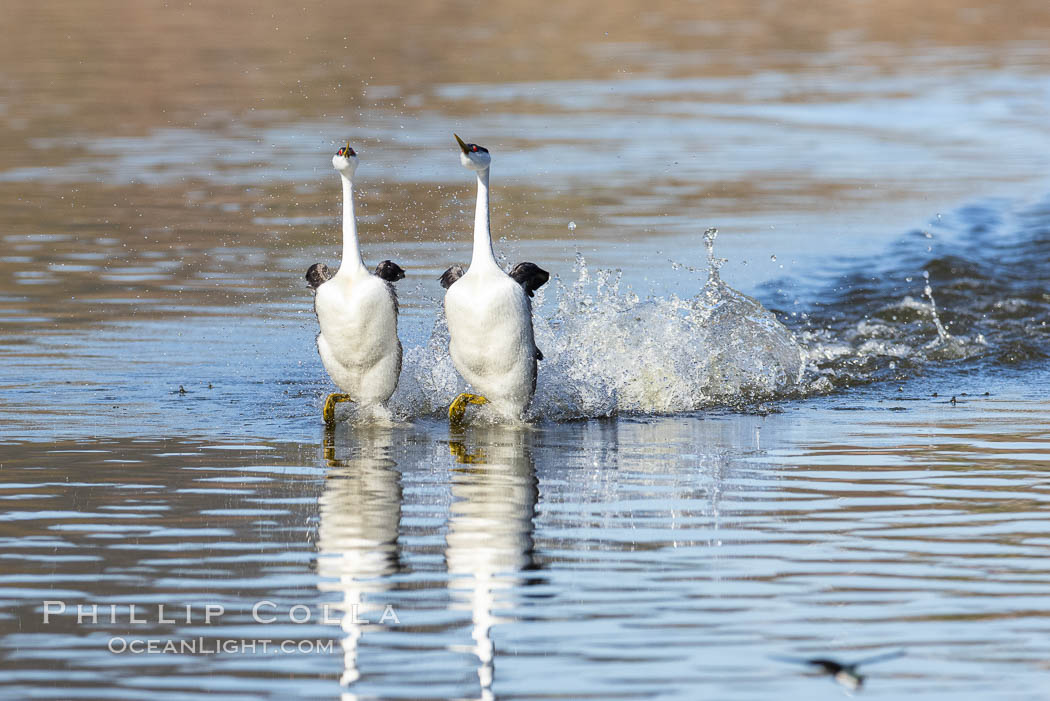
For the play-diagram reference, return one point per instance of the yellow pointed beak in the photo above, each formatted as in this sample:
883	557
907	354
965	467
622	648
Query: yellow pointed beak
461	144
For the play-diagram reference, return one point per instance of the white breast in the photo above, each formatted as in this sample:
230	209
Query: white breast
358	342
490	325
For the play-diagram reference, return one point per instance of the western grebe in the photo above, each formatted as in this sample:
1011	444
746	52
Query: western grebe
489	315
357	311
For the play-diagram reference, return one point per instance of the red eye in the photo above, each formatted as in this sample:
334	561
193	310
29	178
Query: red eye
474	148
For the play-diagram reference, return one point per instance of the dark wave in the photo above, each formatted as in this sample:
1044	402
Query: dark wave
971	289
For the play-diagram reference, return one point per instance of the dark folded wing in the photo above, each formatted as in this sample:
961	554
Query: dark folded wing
530	276
318	275
451	275
390	271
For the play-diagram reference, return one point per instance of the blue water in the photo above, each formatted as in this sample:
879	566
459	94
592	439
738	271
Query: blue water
679	514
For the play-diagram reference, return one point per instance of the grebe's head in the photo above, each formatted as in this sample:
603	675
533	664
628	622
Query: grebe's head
474	157
345	161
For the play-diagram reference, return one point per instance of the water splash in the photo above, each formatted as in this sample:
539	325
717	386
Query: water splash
942	334
888	343
608	351
752	355
880	321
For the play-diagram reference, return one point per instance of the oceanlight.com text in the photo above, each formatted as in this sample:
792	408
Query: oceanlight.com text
205	646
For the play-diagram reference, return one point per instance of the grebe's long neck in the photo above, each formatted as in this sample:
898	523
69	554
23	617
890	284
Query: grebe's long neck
482	236
352	263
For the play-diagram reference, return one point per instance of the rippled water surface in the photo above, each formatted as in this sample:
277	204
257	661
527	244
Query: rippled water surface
664	557
832	444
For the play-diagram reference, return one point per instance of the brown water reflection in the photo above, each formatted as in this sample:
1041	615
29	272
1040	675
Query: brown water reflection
147	252
106	64
252	88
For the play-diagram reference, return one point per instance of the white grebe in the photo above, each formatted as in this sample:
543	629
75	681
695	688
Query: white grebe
357	311
490	316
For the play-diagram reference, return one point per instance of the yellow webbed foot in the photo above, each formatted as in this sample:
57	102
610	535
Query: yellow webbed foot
329	446
458	407
464	456
329	406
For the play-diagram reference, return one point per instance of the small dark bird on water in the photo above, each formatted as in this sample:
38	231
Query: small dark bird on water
845	673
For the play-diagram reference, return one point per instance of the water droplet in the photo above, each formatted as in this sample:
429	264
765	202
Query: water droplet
572	226
773	257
